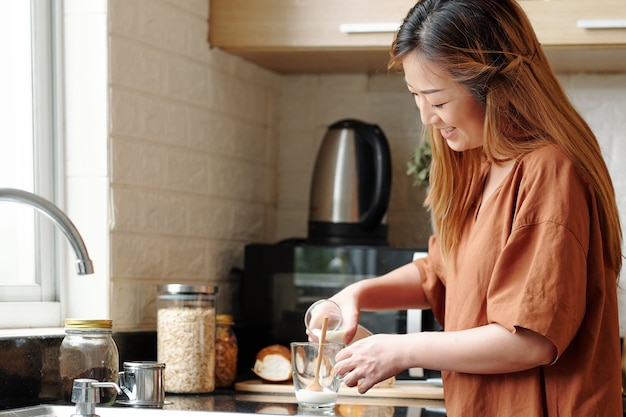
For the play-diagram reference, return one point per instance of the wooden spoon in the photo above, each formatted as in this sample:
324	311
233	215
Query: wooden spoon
315	384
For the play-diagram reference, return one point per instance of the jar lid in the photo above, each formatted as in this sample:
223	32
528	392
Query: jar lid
143	365
224	319
187	289
88	324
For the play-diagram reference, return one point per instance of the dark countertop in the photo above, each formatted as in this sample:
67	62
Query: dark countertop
281	404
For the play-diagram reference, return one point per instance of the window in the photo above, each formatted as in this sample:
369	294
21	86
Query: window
29	104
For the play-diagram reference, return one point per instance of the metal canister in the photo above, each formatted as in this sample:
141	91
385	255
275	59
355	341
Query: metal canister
186	337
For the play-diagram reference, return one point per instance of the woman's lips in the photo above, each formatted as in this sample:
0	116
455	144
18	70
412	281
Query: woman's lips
447	133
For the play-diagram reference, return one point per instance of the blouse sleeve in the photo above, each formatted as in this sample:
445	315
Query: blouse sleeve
433	283
539	280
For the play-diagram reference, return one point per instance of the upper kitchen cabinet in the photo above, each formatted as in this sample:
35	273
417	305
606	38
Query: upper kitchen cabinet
324	36
308	36
581	35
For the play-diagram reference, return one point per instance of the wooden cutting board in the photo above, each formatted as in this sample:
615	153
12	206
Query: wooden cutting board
401	389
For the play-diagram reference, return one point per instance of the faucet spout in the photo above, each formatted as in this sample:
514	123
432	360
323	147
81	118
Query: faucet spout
84	265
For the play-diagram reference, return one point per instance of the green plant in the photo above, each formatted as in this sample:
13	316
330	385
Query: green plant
419	164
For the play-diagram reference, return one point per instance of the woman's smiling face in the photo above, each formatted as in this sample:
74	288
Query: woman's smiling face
445	104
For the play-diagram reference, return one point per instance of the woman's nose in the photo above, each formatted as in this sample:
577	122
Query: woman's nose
427	115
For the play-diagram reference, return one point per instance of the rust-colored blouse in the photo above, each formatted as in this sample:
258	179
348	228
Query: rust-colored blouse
532	257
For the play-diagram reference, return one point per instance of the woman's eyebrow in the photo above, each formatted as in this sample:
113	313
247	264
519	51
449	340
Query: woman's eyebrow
429	91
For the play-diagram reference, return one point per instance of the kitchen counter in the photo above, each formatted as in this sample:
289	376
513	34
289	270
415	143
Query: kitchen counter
283	404
30	378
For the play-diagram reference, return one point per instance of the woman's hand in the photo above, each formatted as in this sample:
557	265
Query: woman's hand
370	360
347	300
489	349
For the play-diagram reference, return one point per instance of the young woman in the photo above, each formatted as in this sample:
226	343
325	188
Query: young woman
522	268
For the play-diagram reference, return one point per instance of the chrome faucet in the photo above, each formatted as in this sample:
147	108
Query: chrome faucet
86	394
84	265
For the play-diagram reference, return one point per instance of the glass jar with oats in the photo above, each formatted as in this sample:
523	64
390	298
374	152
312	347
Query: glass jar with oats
186	337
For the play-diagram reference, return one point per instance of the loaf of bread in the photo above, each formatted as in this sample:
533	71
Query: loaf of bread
273	363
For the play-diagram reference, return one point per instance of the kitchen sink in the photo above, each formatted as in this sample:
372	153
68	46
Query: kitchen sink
67	411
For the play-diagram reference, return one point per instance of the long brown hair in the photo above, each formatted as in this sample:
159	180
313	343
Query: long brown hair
490	47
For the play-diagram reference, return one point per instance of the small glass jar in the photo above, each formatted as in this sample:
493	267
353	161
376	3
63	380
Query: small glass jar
226	349
89	351
186	337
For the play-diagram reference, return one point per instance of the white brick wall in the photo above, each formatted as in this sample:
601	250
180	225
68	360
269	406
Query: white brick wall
191	153
206	152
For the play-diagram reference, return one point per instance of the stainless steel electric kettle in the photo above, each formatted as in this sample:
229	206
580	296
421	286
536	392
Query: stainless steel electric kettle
350	186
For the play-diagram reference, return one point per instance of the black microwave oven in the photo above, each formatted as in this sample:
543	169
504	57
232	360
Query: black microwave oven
280	281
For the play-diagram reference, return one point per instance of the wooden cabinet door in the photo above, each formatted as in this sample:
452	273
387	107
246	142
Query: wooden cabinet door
560	23
303	24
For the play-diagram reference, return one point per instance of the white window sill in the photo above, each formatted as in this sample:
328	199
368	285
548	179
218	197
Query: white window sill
35	332
17	317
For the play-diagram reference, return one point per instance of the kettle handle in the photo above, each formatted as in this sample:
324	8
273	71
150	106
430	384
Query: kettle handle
382	181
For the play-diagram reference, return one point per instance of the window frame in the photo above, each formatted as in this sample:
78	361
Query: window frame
39	305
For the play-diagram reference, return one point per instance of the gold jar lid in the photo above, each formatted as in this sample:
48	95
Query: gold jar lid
88	324
224	319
